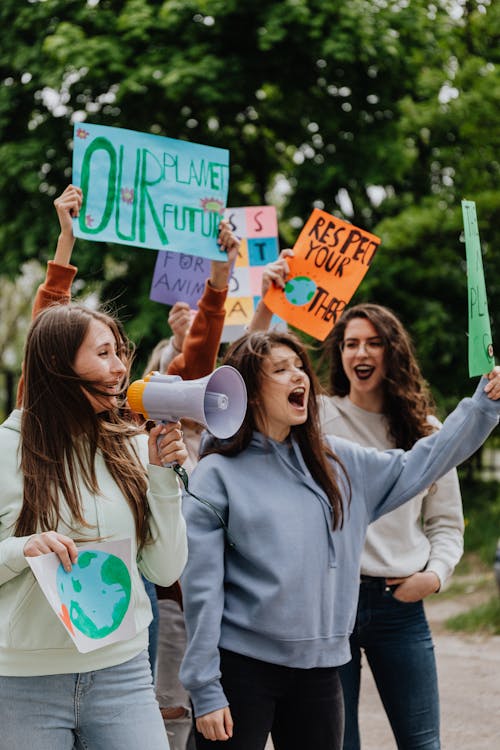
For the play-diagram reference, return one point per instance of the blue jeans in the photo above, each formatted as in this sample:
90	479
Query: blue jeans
153	625
113	708
397	642
169	691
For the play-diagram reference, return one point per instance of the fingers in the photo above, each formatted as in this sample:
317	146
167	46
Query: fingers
68	206
154	442
180	321
278	273
228	722
394	581
492	388
166	445
224	233
70	201
275	273
415	587
177	307
179	318
217	725
220	270
51	541
172	448
227	240
494	373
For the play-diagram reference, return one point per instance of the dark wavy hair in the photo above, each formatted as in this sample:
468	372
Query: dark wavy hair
60	431
407	399
247	356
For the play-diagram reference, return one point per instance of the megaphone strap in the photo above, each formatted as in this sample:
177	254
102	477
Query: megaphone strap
183	476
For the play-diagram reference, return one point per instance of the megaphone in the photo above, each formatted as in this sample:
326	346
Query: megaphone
217	401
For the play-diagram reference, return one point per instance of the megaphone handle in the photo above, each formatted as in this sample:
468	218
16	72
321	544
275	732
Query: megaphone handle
170	464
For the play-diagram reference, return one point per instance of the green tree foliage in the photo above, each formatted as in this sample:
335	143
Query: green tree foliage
347	106
450	124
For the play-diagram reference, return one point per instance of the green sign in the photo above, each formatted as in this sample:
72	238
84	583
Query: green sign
481	358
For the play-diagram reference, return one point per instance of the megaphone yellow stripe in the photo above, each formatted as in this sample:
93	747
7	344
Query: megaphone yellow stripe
134	397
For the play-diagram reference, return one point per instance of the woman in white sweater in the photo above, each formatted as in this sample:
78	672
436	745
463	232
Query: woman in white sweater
73	471
379	399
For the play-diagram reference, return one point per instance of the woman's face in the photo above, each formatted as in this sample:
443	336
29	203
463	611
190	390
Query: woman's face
364	363
98	361
284	392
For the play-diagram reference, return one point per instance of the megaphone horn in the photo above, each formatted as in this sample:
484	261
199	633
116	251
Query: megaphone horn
217	401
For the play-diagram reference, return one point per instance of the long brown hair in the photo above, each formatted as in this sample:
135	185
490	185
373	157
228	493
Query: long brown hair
407	399
61	433
247	356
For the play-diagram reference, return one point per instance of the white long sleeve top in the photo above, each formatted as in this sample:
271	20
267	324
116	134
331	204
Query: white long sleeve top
425	533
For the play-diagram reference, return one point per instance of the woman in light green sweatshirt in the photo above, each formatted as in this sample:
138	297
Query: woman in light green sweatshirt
74	471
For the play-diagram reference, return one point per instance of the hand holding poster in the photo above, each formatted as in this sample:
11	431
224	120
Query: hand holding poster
481	358
257	226
330	259
180	277
93	599
149	191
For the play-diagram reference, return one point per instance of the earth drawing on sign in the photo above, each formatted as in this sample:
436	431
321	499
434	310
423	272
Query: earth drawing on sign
300	290
95	594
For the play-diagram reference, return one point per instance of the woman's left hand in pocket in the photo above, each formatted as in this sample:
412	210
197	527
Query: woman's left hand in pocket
415	587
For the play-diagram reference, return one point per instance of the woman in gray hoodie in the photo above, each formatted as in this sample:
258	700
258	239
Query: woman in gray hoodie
271	584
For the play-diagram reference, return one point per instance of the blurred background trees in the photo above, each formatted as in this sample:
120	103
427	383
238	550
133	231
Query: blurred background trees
383	112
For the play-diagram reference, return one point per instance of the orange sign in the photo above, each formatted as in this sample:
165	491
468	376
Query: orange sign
330	259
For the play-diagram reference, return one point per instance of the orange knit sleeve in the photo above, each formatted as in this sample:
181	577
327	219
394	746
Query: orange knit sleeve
56	289
199	353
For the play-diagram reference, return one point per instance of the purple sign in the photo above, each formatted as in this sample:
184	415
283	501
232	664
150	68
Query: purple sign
179	277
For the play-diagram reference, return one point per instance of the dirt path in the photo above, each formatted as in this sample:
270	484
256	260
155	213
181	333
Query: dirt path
469	684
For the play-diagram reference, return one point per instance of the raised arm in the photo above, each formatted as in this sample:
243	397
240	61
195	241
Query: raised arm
199	353
67	207
56	288
60	273
275	273
179	320
393	477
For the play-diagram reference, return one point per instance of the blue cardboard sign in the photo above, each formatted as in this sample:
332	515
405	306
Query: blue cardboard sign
148	190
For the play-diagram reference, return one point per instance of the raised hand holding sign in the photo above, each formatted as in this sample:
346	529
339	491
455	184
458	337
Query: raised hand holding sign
330	258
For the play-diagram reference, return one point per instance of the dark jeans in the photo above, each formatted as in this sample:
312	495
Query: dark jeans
397	642
302	707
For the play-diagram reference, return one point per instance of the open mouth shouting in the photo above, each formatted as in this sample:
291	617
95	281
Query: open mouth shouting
297	398
363	372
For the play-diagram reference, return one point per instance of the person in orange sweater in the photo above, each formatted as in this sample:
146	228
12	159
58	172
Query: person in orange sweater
201	344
